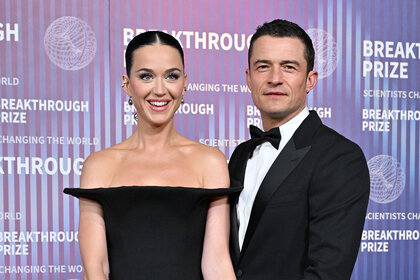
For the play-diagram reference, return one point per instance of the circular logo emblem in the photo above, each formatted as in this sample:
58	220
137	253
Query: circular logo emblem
387	179
326	53
70	43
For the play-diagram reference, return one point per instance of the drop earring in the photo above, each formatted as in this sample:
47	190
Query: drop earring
182	98
130	102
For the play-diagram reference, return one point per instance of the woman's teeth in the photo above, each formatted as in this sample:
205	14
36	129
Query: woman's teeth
159	103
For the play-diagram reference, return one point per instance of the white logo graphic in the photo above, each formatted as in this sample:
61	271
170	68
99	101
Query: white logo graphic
387	179
326	52
70	43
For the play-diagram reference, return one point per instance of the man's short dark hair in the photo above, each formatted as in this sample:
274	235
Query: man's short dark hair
284	28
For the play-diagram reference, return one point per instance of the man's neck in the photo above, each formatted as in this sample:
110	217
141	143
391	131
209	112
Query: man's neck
269	122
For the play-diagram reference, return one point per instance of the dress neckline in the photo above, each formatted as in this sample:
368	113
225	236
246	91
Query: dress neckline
153	187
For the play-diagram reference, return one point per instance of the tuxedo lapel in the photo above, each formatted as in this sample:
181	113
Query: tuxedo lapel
237	167
285	163
287	160
234	228
238	162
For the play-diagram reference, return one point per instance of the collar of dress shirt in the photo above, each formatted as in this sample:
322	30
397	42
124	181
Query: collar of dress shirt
286	131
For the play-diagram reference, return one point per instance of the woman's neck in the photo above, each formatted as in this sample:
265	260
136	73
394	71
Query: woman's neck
151	137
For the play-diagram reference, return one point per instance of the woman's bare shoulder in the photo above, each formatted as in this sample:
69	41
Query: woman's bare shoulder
210	155
99	167
212	164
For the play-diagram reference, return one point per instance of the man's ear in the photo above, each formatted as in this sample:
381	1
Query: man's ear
248	79
311	80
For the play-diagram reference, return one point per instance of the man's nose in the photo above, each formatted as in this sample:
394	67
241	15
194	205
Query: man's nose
276	76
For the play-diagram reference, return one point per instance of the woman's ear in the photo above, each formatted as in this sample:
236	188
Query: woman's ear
125	84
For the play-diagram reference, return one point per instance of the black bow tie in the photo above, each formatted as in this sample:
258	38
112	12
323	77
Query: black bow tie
258	137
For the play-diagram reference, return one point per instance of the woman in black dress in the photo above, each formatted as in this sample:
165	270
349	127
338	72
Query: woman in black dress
155	205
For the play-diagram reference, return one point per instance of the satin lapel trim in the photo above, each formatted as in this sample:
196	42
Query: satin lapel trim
243	161
287	160
239	171
234	239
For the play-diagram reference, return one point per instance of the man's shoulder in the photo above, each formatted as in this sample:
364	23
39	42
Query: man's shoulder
334	135
242	147
331	140
238	153
320	132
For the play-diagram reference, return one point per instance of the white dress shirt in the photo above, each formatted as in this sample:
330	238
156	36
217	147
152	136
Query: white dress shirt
256	169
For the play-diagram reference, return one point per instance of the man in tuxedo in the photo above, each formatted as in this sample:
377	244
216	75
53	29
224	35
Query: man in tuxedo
306	187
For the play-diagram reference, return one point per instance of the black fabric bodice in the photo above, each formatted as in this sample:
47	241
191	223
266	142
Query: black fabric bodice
154	232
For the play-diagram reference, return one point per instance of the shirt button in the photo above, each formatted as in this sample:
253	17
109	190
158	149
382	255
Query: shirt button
239	273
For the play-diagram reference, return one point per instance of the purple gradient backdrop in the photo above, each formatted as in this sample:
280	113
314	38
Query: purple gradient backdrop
39	198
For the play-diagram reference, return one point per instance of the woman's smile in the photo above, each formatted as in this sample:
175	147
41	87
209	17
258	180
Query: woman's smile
158	104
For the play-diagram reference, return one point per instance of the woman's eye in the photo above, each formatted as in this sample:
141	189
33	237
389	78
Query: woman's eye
172	76
146	76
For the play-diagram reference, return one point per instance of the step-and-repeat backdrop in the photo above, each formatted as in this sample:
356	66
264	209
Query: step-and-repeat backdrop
60	86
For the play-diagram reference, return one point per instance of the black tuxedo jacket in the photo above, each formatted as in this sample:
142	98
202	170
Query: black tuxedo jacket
308	215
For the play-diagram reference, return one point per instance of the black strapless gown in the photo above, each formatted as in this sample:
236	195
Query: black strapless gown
154	232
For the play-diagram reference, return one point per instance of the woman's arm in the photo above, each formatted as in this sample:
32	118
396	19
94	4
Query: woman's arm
216	262
92	238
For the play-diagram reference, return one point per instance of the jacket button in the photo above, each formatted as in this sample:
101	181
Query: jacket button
239	273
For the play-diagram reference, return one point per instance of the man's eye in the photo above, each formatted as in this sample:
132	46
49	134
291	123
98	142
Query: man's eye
262	67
